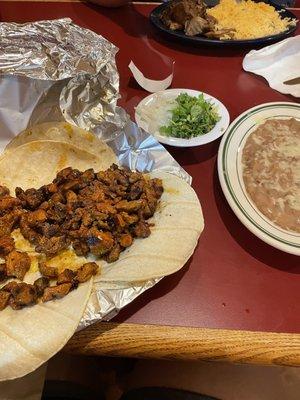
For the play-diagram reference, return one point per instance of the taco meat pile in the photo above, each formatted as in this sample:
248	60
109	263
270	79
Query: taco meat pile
98	214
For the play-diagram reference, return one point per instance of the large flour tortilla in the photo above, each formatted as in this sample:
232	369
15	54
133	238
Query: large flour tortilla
36	163
178	222
61	132
31	336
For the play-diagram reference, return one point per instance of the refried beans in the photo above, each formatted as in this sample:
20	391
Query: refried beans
271	171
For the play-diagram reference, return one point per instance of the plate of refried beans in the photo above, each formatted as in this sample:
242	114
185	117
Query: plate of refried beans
259	171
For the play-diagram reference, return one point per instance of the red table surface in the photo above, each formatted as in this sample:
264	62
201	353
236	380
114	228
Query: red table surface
233	280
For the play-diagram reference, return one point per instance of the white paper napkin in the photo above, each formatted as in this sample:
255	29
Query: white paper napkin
277	63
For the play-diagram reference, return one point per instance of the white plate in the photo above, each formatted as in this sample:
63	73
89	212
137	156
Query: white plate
230	174
171	94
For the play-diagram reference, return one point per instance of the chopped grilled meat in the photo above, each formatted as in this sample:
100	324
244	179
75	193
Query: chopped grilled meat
67	276
99	242
22	295
129	206
49	190
56	292
66	174
87	176
53	245
80	247
47	271
125	240
57	212
17	264
9	221
86	271
27	231
10	286
114	254
7	203
31	198
3	273
7	245
4	191
4	299
129	219
40	285
36	217
49	230
141	230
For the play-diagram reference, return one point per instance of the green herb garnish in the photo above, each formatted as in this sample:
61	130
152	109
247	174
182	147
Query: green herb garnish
191	117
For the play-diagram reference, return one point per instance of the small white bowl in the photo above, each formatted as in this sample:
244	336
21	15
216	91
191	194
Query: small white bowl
171	94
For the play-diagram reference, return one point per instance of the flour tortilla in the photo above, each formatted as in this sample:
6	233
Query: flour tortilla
36	163
61	132
178	222
31	336
178	225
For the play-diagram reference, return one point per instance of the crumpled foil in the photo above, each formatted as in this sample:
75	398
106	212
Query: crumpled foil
54	71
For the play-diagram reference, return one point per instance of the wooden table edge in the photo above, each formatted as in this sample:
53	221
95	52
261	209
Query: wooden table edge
183	343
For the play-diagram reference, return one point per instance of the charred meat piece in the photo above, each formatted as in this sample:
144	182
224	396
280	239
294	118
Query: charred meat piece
48	190
47	271
67	276
49	230
7	203
7	245
22	295
86	271
10	286
57	212
141	230
9	221
129	206
125	240
17	264
34	218
4	191
27	231
30	198
80	247
66	174
40	285
53	245
99	242
136	189
114	254
3	273
56	292
4	299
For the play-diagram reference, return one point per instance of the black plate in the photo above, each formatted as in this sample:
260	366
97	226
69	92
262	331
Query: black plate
201	40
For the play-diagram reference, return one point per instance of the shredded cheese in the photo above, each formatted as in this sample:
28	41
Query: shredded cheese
248	19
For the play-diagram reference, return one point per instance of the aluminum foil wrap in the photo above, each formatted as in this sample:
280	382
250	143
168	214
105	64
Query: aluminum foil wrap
55	71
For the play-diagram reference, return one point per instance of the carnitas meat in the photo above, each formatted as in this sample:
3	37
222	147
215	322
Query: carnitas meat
189	16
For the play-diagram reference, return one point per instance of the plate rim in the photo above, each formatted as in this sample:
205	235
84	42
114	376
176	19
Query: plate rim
154	18
180	142
244	218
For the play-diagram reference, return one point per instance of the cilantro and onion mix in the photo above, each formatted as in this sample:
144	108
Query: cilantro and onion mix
182	117
191	117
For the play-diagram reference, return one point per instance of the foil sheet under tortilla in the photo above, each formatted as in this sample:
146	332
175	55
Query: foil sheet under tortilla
54	71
